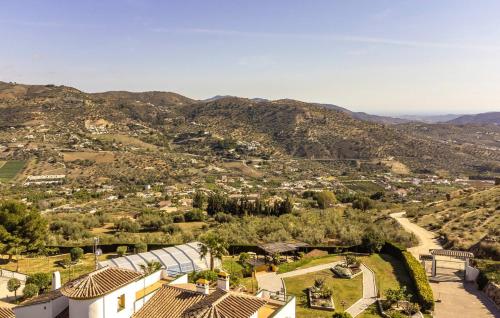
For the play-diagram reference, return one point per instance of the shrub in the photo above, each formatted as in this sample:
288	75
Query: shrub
325	199
41	280
30	290
76	254
417	274
13	285
127	225
222	217
121	250
342	315
141	247
208	275
178	218
244	257
171	228
194	216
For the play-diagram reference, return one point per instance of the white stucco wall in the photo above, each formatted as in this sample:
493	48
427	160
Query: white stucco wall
184	279
287	311
86	308
46	310
38	311
106	306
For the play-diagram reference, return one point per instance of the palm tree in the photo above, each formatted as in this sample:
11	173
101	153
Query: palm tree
150	267
215	246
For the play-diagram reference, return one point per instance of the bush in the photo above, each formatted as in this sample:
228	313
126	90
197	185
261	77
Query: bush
141	247
76	254
30	290
194	216
121	250
170	229
178	218
127	225
416	272
222	217
325	199
208	275
342	315
41	280
13	285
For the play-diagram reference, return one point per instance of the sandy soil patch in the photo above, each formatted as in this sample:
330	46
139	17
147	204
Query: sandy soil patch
99	157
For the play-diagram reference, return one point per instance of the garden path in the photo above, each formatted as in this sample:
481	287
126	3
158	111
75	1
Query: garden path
369	293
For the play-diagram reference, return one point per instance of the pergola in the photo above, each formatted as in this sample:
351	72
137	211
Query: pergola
453	256
281	247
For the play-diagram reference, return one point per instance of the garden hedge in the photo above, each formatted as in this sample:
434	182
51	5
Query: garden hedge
416	272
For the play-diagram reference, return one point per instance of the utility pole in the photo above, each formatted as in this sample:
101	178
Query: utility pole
96	242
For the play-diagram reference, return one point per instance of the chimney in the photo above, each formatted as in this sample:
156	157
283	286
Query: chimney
223	281
56	280
202	286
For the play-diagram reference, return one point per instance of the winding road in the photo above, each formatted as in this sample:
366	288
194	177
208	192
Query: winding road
456	299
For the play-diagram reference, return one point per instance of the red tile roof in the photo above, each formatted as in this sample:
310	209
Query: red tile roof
42	298
99	283
6	313
175	302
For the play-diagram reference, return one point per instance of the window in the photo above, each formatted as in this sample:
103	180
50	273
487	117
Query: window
121	302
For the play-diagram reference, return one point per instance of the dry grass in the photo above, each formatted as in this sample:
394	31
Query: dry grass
126	140
243	169
397	167
98	157
50	264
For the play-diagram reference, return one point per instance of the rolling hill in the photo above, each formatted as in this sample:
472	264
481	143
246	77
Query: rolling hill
271	129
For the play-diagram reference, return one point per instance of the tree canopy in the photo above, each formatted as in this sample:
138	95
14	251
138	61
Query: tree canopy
20	227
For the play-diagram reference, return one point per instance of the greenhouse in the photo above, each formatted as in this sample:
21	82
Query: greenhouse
175	260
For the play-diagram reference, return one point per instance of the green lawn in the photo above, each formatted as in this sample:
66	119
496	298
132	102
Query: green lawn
49	264
389	271
370	312
10	169
348	290
308	262
230	264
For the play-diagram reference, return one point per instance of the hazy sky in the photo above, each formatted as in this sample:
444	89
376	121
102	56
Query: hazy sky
393	56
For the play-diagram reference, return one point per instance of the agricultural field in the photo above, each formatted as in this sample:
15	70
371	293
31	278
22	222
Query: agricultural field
9	169
98	157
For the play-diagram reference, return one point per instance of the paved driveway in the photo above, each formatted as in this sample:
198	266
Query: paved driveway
457	299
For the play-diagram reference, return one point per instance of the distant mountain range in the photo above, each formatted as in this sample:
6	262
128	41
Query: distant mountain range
272	129
483	118
458	119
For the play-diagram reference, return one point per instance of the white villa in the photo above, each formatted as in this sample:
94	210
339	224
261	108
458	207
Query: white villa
126	292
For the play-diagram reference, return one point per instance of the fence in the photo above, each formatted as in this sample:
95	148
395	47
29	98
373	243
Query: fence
234	249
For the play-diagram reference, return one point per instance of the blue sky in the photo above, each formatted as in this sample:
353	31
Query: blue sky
421	56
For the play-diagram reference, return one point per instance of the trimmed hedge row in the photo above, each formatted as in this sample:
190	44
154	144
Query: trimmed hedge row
416	272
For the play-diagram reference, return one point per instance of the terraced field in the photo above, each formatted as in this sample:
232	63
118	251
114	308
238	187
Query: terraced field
10	169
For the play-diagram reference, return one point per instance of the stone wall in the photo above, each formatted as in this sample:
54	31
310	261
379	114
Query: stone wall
492	290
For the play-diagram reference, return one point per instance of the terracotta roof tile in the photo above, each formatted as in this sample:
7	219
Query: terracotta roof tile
6	313
42	298
223	304
169	302
175	302
99	283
